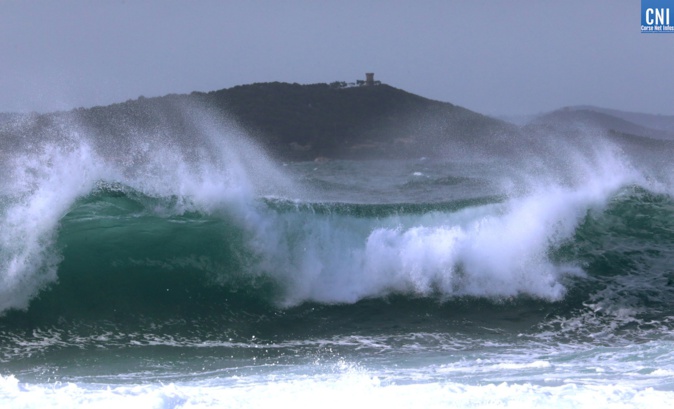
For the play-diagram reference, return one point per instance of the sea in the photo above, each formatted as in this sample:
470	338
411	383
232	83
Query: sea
175	270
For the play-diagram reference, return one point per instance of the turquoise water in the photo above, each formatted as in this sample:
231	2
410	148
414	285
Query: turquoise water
163	276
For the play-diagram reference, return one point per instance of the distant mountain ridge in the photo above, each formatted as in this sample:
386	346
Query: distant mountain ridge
631	123
659	122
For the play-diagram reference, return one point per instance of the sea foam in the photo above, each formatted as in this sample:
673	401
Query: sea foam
214	166
498	250
351	388
42	186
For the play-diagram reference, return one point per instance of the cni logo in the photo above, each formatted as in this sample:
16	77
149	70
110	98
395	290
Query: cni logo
655	16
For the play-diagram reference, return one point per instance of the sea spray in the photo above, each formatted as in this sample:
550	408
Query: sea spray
183	279
44	184
496	250
208	165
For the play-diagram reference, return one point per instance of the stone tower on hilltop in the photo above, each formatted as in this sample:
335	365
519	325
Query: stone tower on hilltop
369	79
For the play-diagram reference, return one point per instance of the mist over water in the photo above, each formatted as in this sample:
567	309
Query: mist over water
180	266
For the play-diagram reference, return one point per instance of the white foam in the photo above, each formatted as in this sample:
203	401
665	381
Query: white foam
526	365
486	251
44	184
216	167
497	250
349	388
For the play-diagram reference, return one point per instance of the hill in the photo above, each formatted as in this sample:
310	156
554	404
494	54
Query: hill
580	126
608	120
305	121
292	121
657	122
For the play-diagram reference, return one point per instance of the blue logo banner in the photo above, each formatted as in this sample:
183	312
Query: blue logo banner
657	16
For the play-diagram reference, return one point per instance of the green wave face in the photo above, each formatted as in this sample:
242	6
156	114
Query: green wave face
129	259
199	230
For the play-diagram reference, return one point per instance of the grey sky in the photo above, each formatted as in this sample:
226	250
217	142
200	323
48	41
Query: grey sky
494	57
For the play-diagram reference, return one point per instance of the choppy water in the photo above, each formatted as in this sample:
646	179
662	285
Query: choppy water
177	273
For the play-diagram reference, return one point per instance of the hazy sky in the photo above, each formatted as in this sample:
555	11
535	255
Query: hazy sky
495	57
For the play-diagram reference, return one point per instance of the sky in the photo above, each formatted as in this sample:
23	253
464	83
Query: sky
495	57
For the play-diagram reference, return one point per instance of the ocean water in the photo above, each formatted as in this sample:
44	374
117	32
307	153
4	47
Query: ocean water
190	271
